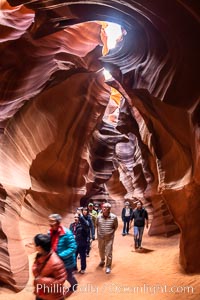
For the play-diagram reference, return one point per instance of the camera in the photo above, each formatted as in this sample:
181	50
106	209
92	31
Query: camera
79	208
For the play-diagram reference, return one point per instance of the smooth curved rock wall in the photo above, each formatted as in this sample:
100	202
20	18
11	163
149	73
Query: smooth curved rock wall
54	100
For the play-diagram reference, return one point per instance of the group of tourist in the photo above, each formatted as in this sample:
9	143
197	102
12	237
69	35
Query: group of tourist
59	249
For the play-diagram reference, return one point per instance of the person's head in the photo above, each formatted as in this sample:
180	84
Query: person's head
42	243
96	206
106	209
90	206
54	221
85	211
76	218
139	204
127	204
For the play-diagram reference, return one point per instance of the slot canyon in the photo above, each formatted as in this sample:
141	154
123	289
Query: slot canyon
69	135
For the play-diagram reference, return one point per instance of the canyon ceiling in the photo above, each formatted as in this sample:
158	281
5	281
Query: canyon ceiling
68	136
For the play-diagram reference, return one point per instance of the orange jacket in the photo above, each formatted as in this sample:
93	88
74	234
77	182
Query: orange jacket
50	275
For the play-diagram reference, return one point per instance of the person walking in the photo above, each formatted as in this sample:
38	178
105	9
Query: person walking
126	217
107	224
64	244
91	233
140	217
48	270
81	231
92	212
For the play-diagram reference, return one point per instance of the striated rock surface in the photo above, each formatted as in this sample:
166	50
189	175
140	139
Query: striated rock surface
68	136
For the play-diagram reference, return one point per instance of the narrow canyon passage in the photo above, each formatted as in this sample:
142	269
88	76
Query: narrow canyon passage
70	136
152	274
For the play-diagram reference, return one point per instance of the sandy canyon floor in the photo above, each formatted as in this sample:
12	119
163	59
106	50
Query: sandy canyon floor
152	273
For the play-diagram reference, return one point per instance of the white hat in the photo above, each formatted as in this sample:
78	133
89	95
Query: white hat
107	205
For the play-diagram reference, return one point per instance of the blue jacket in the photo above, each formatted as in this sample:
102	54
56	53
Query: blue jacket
66	248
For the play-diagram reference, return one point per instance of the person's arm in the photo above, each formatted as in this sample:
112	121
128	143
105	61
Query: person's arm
91	227
115	223
122	214
130	222
57	277
85	223
146	219
71	227
132	215
97	221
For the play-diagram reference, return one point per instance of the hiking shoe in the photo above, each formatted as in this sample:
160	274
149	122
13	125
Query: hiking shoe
108	270
101	264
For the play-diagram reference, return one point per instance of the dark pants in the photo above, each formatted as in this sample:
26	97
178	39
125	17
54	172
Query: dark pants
71	279
82	251
126	221
89	243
